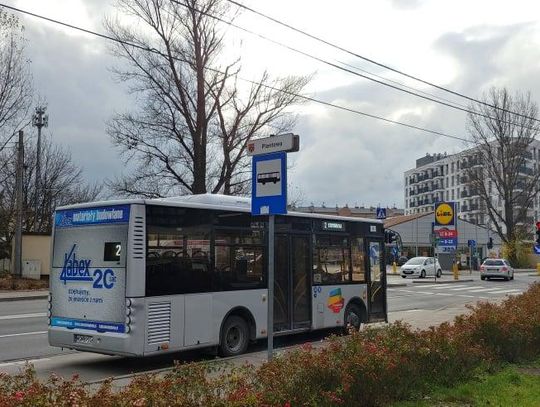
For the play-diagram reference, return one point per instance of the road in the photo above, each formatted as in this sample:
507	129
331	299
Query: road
23	327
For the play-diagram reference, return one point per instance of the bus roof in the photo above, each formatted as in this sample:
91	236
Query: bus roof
210	201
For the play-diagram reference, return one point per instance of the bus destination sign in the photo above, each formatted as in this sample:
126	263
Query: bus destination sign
337	226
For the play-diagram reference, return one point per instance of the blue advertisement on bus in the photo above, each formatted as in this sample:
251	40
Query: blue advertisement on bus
91	216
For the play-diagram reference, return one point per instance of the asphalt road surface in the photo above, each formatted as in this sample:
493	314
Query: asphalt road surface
23	326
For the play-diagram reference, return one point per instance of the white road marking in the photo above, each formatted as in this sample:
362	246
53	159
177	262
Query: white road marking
21	316
427	285
443	286
479	290
505	291
425	292
445	294
23	333
465	288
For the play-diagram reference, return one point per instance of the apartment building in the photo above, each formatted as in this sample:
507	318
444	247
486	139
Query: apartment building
442	177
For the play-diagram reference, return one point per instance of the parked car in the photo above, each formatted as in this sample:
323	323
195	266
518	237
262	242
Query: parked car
421	267
402	260
496	268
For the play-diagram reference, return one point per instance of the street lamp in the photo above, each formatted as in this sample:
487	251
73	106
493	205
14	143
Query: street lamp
39	120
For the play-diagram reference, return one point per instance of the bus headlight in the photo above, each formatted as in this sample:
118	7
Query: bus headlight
128	320
128	329
128	312
128	302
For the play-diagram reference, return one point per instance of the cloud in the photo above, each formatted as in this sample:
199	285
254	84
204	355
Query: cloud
71	73
406	4
344	158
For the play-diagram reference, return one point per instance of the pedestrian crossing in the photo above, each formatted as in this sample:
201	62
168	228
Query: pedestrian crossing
457	290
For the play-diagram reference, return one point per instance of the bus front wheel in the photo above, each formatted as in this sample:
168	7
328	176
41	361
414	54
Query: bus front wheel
234	336
354	317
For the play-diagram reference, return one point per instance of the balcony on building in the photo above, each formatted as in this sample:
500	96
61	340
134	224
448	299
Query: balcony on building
523	169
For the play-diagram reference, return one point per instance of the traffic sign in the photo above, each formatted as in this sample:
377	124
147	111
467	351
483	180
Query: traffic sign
288	142
395	251
269	184
381	213
471	243
536	249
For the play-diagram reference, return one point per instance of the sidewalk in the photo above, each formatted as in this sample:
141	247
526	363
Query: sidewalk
22	295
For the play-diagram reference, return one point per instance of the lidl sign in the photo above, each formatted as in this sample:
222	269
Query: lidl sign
445	214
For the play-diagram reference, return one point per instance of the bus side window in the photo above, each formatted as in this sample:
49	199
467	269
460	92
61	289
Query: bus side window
358	261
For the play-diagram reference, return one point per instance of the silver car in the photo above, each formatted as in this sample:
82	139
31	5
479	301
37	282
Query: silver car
421	267
496	268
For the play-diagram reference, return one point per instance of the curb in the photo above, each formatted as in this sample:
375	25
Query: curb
396	284
467	280
24	298
534	274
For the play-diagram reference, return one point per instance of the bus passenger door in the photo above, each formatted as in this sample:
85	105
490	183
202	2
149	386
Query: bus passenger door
291	283
376	282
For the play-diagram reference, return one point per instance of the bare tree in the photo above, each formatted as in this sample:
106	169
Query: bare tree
15	78
193	121
501	168
62	184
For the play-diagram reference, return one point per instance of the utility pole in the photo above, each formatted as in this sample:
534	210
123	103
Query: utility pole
17	258
39	120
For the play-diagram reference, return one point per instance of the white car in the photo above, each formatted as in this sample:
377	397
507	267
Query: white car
496	268
421	267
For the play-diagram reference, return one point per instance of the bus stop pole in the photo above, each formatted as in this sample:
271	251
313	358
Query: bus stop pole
270	327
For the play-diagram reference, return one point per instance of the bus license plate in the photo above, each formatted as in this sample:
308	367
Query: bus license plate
83	339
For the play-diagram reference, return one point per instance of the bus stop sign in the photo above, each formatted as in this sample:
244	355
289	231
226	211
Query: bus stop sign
269	184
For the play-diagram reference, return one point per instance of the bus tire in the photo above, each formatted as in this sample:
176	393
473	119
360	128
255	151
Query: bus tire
234	336
353	318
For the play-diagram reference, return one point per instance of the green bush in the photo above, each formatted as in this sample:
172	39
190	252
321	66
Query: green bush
370	368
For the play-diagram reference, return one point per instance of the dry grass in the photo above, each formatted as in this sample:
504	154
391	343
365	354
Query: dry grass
9	283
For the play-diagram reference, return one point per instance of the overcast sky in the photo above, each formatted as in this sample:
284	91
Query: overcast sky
466	46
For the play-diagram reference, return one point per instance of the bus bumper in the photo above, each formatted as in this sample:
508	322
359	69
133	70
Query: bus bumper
96	342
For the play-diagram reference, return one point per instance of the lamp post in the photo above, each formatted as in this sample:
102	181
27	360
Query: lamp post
39	120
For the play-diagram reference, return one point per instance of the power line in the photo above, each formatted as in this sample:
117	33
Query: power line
372	61
155	51
432	99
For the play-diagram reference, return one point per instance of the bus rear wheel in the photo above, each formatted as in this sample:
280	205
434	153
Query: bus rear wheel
234	336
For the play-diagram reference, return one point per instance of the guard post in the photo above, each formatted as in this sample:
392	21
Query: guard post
269	198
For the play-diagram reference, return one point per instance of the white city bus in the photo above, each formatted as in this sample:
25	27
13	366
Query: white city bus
144	277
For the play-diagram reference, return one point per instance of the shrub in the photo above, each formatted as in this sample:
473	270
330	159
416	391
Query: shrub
509	331
369	368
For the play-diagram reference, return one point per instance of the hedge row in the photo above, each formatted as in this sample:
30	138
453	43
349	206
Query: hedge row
370	368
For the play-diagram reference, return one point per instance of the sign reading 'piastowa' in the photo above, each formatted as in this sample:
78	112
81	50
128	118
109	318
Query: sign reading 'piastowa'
285	142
